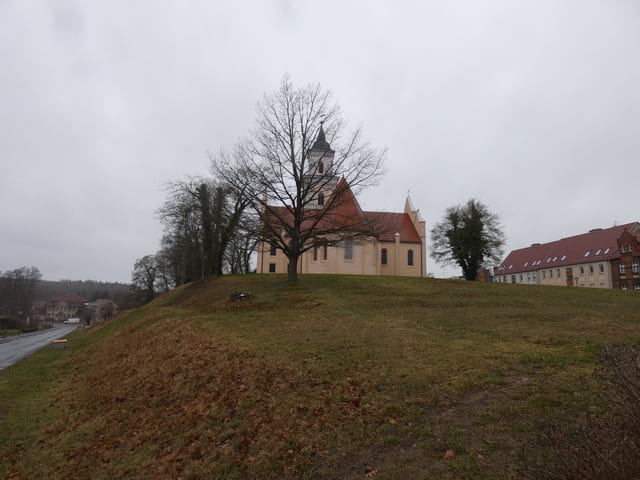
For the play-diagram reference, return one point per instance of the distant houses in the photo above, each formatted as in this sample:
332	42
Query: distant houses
63	307
600	258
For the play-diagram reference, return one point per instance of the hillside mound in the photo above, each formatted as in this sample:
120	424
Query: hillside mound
333	377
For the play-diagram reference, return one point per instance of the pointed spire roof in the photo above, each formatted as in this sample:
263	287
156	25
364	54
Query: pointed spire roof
321	141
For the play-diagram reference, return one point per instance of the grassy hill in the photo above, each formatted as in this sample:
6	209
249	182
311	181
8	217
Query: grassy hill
334	377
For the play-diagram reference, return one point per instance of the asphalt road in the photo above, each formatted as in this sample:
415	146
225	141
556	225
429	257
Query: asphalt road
14	348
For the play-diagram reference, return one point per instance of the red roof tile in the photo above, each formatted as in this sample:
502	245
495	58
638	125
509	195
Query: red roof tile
597	245
391	222
347	215
71	299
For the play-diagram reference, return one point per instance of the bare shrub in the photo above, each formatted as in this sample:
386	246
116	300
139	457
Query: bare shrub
588	445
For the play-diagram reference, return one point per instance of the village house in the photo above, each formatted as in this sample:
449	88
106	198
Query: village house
626	268
591	259
64	307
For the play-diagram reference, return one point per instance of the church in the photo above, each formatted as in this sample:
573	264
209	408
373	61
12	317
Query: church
383	243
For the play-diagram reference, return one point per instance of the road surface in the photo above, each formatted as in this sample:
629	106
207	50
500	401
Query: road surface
14	348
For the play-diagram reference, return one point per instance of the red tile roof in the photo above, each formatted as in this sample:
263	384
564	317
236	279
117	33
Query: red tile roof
597	245
71	299
347	215
392	222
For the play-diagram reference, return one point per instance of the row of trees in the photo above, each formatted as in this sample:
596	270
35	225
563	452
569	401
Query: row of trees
269	179
208	230
17	292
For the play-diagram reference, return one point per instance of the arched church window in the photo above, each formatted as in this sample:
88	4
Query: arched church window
321	167
384	256
410	258
321	199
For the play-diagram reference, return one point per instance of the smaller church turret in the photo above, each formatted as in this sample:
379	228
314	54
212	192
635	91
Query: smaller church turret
320	156
320	169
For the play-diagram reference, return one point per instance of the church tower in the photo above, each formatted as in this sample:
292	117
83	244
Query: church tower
320	170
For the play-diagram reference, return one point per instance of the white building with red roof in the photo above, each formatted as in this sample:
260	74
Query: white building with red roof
383	243
584	260
64	307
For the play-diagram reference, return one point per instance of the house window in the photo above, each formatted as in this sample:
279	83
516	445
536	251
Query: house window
544	274
622	268
272	251
384	256
550	273
321	199
623	285
558	272
410	258
348	249
590	269
581	270
520	278
636	286
272	268
601	268
635	266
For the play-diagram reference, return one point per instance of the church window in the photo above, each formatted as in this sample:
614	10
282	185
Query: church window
324	251
410	258
272	250
272	268
321	199
315	253
320	167
348	249
384	256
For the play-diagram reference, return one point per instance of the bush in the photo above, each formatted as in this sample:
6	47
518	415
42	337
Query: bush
589	445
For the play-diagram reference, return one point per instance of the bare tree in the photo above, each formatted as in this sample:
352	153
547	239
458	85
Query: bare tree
287	164
201	217
17	291
145	276
237	257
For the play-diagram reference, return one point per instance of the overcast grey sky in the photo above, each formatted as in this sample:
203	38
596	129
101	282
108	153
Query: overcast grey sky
532	107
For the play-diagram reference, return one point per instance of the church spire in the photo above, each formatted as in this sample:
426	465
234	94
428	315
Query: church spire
321	143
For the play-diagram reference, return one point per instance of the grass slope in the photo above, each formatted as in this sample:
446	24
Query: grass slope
334	377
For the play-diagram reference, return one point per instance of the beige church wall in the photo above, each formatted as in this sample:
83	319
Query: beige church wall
366	260
397	264
362	263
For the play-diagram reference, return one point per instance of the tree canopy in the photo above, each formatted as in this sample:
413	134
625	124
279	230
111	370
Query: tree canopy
469	236
298	150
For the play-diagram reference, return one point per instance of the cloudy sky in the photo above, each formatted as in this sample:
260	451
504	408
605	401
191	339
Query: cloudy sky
532	107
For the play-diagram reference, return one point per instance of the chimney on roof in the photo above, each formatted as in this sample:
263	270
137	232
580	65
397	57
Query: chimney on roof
595	230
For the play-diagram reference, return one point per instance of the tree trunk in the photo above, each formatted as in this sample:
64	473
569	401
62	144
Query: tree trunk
292	269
